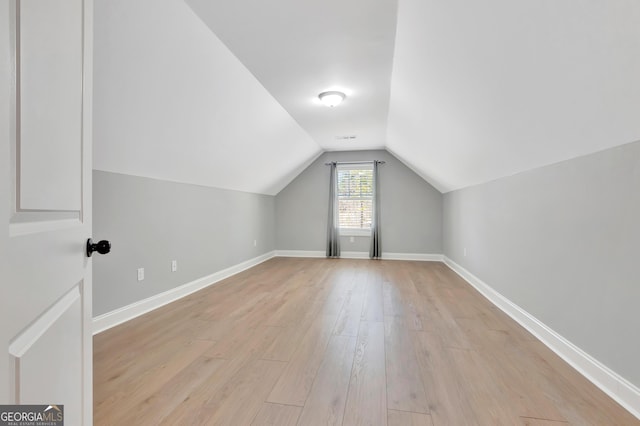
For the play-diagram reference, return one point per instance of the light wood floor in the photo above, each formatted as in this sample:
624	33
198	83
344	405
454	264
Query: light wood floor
331	342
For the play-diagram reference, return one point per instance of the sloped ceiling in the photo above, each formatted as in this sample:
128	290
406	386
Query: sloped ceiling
224	93
171	102
482	90
298	49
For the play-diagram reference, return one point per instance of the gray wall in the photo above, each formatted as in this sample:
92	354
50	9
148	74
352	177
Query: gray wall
411	209
562	242
151	222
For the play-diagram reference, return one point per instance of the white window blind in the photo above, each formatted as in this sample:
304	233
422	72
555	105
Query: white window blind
355	196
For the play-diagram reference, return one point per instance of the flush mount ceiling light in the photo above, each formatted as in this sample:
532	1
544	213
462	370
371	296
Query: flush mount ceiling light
332	98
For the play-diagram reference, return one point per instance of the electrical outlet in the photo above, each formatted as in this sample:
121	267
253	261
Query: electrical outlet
140	274
352	239
174	265
255	243
464	252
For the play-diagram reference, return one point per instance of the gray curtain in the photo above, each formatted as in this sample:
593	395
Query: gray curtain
333	227
375	252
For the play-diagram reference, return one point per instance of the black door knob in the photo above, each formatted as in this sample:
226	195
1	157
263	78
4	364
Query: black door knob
102	247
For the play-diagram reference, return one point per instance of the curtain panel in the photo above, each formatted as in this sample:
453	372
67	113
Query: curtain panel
375	252
333	225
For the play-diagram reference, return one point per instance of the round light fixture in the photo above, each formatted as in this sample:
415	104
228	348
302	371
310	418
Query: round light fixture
332	98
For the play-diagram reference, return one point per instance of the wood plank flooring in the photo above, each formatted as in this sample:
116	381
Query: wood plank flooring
338	342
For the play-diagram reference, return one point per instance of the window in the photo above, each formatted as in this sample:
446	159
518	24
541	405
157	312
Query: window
355	199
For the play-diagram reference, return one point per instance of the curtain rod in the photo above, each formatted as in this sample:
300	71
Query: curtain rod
353	162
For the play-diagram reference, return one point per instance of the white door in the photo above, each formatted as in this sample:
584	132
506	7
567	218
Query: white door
45	197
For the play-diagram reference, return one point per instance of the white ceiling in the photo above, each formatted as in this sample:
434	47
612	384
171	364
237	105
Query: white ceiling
480	90
298	49
171	102
223	93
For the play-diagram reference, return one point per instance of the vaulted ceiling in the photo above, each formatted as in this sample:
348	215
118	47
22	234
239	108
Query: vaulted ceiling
298	49
224	93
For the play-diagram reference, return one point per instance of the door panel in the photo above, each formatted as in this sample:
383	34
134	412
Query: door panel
49	86
46	323
46	356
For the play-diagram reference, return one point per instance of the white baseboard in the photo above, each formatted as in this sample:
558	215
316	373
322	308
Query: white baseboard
362	255
300	253
623	392
111	319
413	256
354	254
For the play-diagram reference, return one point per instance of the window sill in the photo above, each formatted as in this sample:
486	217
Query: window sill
347	232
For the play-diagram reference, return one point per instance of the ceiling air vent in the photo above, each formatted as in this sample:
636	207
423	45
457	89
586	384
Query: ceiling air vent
346	137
